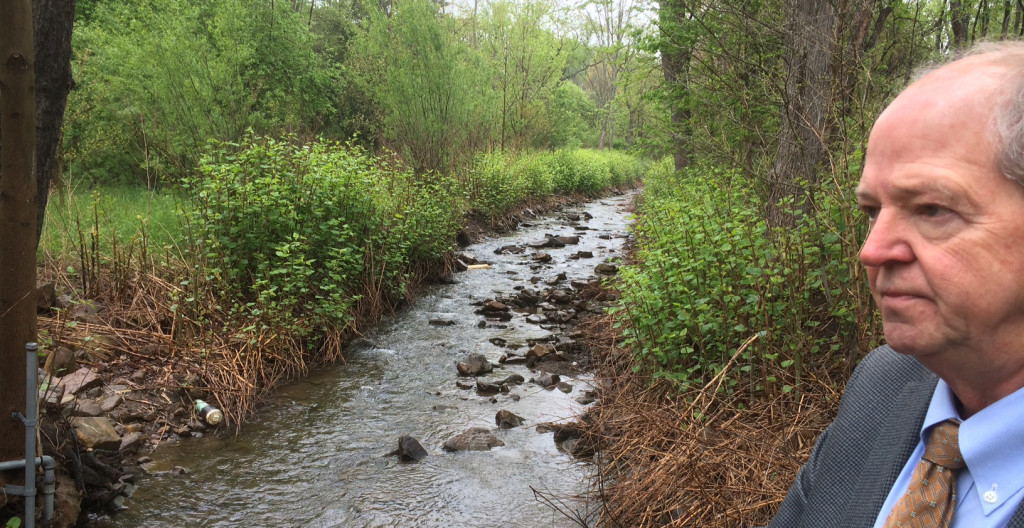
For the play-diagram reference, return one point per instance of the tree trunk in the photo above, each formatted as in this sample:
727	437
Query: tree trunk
959	20
17	217
52	21
809	39
675	63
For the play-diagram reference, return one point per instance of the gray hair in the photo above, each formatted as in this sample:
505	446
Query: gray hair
1009	115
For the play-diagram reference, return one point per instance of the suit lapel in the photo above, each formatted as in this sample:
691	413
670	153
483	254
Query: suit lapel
896	442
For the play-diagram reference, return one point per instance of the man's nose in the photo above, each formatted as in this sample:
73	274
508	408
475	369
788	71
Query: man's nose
887	241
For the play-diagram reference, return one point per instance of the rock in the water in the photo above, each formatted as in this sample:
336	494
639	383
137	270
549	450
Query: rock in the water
542	257
568	240
605	268
96	433
507	420
484	388
536	318
474	365
564	387
559	296
442	322
513	249
514	379
527	297
539	351
550	242
80	380
410	450
474	439
548	381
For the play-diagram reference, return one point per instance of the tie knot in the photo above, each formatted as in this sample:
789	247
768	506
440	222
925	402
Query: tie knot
943	448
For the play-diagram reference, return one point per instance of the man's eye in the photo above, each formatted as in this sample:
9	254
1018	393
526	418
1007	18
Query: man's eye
870	211
932	210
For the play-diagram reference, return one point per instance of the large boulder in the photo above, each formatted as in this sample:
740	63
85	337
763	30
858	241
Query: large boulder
474	439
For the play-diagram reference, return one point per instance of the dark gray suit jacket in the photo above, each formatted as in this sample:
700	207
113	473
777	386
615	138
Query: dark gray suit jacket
857	459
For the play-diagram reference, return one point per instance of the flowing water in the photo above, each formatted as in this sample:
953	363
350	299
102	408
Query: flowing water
316	455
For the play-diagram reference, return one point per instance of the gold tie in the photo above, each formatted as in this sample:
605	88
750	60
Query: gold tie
931	495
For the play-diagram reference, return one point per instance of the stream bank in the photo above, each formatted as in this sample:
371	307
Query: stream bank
514	304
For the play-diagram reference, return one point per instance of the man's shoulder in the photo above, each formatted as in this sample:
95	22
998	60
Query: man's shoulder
884	364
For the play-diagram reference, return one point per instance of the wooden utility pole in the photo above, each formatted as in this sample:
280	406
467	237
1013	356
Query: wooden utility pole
17	217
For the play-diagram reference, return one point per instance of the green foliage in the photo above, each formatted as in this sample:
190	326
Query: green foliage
526	60
157	79
709	276
430	91
296	235
572	114
497	183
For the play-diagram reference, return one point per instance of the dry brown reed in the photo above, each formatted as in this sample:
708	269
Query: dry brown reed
139	326
699	457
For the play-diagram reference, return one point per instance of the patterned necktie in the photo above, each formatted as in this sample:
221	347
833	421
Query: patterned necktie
931	495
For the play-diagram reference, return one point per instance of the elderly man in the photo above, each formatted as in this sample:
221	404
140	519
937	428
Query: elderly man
931	431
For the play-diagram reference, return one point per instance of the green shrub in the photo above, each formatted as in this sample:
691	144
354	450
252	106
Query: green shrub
296	235
708	276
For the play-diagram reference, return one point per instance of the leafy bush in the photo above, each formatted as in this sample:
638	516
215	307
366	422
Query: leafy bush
296	235
709	275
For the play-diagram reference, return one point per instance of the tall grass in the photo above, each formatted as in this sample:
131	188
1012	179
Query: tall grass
122	213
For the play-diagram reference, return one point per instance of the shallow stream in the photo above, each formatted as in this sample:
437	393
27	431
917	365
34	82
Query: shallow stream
316	455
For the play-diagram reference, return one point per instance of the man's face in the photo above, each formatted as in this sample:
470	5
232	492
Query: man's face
945	250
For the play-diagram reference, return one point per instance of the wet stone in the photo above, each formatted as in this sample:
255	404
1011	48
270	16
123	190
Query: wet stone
474	439
546	380
605	268
442	322
507	420
409	450
485	388
474	365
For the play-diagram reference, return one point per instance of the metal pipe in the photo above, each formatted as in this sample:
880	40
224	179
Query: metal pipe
31	376
28	491
49	480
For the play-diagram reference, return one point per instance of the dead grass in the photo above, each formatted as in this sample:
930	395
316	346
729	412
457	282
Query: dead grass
698	457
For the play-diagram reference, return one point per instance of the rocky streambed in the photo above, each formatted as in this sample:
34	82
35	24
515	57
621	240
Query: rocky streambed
455	411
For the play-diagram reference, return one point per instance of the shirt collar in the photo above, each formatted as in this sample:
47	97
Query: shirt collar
990	443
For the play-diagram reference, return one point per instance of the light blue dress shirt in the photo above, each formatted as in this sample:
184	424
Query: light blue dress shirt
990	488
